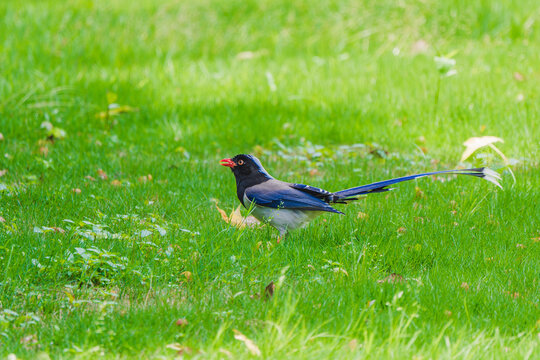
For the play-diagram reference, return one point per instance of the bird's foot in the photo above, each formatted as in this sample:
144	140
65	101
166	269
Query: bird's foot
281	237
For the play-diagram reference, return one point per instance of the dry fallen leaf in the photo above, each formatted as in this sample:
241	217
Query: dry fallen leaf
269	290
181	322
115	110
362	215
236	219
250	345
225	352
245	55
2	219
475	143
1	137
102	174
187	275
3	172
465	286
340	270
43	151
76	190
392	278
179	348
116	182
518	76
91	178
145	178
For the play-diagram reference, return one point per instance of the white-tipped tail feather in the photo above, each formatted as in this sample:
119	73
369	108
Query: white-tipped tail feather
491	176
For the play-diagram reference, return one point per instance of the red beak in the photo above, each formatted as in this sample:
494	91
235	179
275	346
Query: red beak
227	163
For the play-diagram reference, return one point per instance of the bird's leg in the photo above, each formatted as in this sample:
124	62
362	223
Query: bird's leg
282	235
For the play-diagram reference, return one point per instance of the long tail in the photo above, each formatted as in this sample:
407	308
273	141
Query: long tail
381	186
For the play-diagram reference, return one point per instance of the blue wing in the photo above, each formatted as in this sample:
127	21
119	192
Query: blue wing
317	192
279	195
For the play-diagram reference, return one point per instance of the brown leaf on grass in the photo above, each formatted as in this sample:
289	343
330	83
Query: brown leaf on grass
401	230
76	190
58	229
362	215
245	55
513	295
518	76
225	352
269	290
187	275
145	178
353	344
250	345
116	182
448	313
248	55
181	350
102	174
236	219
181	322
43	151
520	246
3	172
338	270
2	220
91	178
392	279
465	286
1	137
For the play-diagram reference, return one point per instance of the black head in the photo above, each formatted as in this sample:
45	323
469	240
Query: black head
247	169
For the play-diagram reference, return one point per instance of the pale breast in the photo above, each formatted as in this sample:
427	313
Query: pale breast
282	219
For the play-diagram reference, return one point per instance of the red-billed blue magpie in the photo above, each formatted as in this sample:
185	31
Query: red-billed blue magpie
288	206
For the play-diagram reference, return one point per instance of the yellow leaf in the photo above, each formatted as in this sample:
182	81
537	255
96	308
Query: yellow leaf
476	143
362	215
187	275
116	110
70	297
111	97
236	219
250	345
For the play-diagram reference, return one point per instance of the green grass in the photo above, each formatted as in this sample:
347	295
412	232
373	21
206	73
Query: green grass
322	75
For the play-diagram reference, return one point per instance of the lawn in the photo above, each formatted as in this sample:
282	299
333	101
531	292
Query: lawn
114	116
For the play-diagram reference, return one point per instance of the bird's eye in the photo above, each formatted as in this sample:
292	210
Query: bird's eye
240	162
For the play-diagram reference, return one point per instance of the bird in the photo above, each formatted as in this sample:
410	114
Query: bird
288	206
